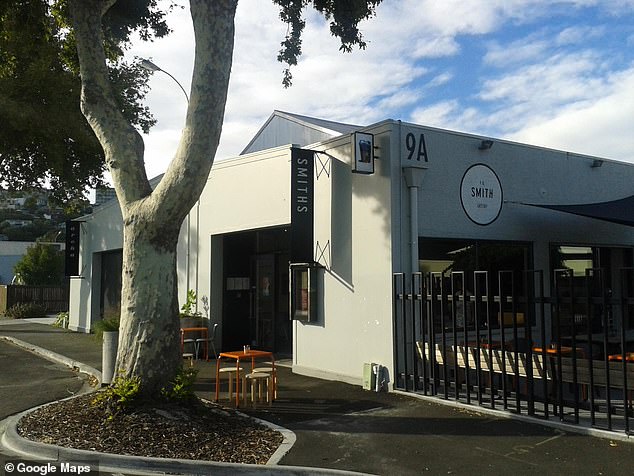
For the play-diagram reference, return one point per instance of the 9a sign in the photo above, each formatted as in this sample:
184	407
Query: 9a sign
413	148
416	147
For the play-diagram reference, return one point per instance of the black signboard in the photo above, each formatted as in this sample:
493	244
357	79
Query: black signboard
304	300
73	229
302	205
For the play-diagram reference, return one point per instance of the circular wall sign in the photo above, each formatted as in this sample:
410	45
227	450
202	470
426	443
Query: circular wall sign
481	194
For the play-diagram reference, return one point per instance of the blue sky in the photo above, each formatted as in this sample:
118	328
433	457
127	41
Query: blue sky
558	74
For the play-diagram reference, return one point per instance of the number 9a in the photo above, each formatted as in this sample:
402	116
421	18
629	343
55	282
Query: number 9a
417	149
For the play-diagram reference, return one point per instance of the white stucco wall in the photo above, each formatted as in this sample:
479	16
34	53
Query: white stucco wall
527	174
101	231
355	325
253	192
246	193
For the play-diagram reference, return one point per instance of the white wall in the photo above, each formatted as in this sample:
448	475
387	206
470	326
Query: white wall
527	175
356	323
101	231
253	192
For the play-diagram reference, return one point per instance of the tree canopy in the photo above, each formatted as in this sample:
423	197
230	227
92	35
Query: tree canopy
41	265
44	138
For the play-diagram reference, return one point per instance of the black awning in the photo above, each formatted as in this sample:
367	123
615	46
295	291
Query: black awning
616	211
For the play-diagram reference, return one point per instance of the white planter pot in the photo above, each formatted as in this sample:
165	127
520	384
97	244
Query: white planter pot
109	356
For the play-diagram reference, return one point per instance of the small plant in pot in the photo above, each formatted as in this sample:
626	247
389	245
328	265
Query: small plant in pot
190	317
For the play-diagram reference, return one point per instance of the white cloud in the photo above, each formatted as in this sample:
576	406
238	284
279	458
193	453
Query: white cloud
537	79
601	126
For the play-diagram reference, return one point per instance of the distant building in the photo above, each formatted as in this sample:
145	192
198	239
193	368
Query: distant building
11	252
7	201
18	223
103	195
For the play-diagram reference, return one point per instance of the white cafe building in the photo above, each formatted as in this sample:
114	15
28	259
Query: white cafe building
296	241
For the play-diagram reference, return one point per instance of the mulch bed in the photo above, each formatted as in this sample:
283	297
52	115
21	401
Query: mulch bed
194	430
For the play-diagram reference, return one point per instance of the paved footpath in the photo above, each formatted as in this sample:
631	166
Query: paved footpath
343	427
27	380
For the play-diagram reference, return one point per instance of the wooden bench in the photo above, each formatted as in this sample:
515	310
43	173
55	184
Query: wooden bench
500	361
491	360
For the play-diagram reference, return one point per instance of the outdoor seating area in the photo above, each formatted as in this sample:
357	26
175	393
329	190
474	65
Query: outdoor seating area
260	381
246	383
198	338
539	361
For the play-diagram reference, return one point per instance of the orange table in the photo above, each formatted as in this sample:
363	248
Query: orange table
565	350
629	357
238	355
203	332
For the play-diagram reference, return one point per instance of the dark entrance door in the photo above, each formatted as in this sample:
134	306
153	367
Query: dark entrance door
110	299
270	303
255	302
265	301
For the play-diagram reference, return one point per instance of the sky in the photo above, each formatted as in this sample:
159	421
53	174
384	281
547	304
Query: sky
558	74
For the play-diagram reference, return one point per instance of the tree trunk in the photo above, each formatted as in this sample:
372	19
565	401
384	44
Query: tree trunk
149	342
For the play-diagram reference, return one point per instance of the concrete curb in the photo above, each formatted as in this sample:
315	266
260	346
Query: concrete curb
140	464
286	444
13	442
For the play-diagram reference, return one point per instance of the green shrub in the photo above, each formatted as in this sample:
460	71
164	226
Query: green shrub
105	325
25	310
120	396
182	388
61	320
187	309
110	322
41	265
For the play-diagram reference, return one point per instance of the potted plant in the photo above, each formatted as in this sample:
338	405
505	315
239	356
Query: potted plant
189	316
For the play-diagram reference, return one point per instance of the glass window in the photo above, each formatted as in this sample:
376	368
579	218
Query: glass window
588	283
473	275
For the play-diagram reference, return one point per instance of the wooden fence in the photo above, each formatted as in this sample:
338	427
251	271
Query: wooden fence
53	298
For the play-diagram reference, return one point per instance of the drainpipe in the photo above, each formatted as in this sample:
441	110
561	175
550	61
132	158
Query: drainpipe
187	254
413	180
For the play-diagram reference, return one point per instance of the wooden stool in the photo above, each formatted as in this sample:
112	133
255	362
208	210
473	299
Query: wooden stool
230	371
273	373
257	378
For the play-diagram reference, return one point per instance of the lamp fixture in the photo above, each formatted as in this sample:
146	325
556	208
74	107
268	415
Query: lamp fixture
147	64
485	144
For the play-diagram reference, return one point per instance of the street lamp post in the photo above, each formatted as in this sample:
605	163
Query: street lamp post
147	64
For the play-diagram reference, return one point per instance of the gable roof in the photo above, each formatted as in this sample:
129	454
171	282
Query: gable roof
283	128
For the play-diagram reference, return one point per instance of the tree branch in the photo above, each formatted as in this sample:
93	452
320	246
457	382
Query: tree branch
123	145
186	176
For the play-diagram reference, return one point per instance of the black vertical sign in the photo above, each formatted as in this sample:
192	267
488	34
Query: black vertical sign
73	229
302	205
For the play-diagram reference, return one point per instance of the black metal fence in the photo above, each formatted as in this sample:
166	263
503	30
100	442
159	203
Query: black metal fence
496	339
